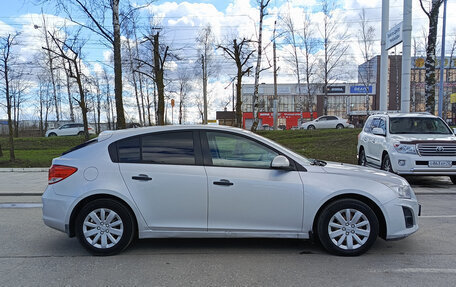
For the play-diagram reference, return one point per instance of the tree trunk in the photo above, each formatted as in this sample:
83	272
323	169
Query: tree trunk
117	66
158	69
429	90
8	110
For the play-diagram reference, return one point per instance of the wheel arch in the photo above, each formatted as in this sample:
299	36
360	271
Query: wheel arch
378	212
80	204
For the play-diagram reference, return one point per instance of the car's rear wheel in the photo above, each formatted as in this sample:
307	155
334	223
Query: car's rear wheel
340	126
81	133
386	163
105	227
52	135
311	127
362	157
347	227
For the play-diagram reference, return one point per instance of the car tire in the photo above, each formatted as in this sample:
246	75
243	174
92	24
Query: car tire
52	135
311	127
81	133
105	227
453	179
362	157
340	126
386	164
347	227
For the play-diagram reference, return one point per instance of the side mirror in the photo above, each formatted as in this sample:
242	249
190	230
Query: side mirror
280	162
378	131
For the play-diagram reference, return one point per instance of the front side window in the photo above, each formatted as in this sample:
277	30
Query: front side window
418	125
236	151
368	126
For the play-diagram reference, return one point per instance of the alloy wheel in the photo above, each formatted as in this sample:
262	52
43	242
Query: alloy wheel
103	228
349	229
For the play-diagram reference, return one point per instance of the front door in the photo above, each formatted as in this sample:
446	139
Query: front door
166	179
245	194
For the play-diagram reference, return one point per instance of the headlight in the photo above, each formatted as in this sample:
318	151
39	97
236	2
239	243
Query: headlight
402	191
405	148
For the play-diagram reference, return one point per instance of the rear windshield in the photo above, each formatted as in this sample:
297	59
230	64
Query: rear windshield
418	125
92	141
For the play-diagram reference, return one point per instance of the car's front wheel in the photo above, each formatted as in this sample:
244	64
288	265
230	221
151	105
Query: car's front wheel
386	163
52	135
105	227
347	227
362	157
311	127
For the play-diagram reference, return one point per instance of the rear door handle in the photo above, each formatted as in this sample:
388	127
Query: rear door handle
225	182
143	177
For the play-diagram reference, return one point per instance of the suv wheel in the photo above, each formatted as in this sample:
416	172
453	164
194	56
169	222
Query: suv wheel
453	179
362	157
347	227
105	227
386	163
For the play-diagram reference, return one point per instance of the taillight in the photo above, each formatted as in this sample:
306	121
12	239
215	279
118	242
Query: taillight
60	172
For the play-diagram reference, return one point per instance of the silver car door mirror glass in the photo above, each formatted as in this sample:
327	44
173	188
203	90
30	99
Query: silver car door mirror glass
378	131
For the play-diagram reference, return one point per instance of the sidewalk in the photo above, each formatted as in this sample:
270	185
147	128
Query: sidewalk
33	181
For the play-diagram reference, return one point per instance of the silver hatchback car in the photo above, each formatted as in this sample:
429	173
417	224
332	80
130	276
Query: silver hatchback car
211	181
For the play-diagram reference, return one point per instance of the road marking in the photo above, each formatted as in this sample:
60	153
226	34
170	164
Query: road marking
437	216
21	205
419	270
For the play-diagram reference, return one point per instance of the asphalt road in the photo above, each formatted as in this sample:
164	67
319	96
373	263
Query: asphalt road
32	254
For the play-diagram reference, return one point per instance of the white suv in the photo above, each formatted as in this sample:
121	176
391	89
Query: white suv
408	144
69	130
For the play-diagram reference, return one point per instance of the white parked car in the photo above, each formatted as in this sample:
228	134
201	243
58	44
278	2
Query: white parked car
326	122
69	130
211	181
408	144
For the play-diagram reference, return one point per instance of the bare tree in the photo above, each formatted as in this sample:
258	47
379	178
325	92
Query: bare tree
183	87
6	61
291	34
433	14
96	15
309	48
334	49
262	5
70	50
366	38
108	106
45	102
205	44
240	53
18	89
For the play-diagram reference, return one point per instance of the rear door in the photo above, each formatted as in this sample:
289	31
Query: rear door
166	178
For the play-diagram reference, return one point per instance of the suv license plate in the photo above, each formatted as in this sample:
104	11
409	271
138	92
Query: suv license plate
439	163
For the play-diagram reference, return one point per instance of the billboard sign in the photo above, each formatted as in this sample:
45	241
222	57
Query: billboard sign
360	89
335	89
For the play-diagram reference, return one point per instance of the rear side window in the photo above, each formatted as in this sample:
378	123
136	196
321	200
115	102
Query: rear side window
157	148
168	148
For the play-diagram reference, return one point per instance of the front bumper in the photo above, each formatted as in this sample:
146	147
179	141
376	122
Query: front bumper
413	164
55	209
401	217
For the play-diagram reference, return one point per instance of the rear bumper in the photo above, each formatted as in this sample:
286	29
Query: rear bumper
55	209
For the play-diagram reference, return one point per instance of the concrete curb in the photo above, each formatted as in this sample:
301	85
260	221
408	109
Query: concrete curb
22	169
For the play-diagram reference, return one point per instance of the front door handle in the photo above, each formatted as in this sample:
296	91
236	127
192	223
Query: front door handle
143	177
225	182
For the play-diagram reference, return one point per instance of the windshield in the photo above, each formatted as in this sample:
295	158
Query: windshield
418	125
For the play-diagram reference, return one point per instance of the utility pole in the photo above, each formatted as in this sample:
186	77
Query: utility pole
406	56
203	60
442	61
384	57
274	105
